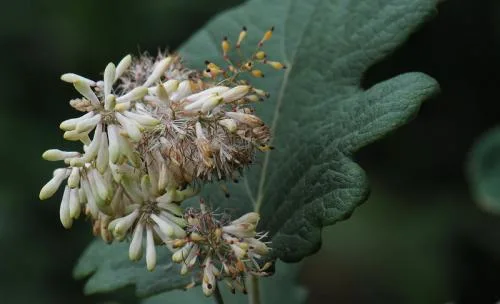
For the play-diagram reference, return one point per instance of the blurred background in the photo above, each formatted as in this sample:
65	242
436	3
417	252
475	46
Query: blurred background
419	238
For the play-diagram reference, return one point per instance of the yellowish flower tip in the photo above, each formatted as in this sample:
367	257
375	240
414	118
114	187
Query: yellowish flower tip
241	37
260	55
257	73
275	64
267	36
225	47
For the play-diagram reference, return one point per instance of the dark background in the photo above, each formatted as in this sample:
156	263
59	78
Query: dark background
419	239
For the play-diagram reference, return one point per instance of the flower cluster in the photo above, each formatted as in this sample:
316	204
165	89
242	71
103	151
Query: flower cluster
153	133
225	249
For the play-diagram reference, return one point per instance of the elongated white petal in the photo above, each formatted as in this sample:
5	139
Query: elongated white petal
131	188
122	66
84	89
206	93
164	226
88	124
56	155
178	221
103	154
142	119
135	249
64	216
109	102
114	144
181	254
247	218
240	230
93	148
197	104
171	208
99	201
74	177
248	119
72	78
208	282
101	185
120	226
109	78
158	71
74	203
52	185
171	86
150	250
210	104
90	197
130	127
135	94
235	93
70	124
74	136
182	91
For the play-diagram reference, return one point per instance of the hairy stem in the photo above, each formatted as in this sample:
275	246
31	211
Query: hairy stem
254	290
217	295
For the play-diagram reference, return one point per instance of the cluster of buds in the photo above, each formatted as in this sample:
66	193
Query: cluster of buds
224	249
153	133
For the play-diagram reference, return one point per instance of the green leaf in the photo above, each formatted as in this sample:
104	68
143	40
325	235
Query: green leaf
319	114
109	269
280	288
484	171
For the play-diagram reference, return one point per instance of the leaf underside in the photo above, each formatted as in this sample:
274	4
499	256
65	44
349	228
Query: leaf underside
318	113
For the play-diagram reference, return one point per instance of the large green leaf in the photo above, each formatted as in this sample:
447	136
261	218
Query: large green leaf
110	269
484	171
319	114
280	288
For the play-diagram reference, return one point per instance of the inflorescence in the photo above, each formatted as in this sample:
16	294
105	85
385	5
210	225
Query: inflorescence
153	133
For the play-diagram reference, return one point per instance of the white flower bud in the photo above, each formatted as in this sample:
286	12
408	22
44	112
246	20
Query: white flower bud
257	246
88	124
109	78
130	126
142	119
70	124
56	155
135	94
208	282
164	226
181	254
66	219
91	201
114	144
171	86
109	102
135	249
182	91
197	104
72	78
74	203
240	230
162	93
248	119
235	93
120	226
93	148
124	106
122	66
174	220
158	71
248	218
103	154
101	185
205	93
238	251
210	104
229	124
74	177
84	88
73	135
52	185
150	250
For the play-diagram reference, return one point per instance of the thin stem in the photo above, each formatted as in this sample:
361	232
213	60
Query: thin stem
254	292
217	295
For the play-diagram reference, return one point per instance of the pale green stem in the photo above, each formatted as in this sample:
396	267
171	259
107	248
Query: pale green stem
254	290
